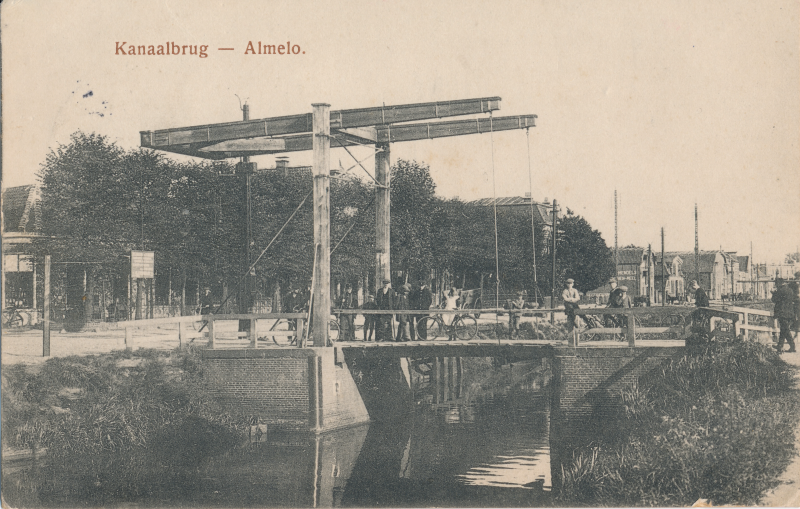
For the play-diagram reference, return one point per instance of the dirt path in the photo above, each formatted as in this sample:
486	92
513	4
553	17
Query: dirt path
788	493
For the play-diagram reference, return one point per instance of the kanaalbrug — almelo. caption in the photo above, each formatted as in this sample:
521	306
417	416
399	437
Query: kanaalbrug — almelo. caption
201	50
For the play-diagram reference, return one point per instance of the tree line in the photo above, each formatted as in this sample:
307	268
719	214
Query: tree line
99	202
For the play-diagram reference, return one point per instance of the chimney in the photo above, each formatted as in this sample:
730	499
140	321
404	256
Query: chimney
528	195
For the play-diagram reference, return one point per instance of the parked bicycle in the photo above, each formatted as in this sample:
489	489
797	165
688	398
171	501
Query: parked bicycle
463	327
13	318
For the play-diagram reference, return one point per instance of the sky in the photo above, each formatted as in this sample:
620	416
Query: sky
669	103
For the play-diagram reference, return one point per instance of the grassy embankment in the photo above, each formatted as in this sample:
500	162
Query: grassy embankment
717	423
112	402
111	424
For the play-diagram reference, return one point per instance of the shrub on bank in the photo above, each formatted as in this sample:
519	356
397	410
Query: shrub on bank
717	423
105	403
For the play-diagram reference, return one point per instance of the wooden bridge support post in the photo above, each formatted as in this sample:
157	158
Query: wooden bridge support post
211	334
630	331
382	216
322	226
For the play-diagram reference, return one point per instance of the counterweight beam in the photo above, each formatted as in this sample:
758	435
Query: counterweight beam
382	134
164	139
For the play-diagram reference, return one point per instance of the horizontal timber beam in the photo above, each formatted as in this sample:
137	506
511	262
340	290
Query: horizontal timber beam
295	124
380	134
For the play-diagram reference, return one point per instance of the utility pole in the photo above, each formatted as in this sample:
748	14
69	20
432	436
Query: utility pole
553	283
696	249
663	279
246	293
382	215
650	276
616	237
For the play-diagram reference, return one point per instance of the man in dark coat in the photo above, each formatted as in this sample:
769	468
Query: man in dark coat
785	312
385	298
370	319
293	303
700	301
421	299
348	300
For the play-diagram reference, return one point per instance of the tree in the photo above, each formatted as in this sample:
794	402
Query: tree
582	254
413	204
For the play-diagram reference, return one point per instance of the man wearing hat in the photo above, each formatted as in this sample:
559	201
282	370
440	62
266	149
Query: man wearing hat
618	300
420	299
370	319
700	301
785	312
571	297
293	303
401	304
385	299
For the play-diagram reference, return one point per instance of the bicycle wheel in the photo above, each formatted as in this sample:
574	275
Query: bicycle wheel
432	326
16	320
333	330
466	327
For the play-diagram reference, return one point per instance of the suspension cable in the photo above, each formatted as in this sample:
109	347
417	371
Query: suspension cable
496	248
252	266
355	219
533	228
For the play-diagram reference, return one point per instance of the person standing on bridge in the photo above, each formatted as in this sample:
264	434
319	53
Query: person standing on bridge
785	312
385	300
514	318
571	297
348	300
206	302
403	326
421	299
370	319
613	302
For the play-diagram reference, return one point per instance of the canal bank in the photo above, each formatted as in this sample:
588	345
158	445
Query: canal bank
787	493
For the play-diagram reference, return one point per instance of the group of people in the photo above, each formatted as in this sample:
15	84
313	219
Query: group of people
381	325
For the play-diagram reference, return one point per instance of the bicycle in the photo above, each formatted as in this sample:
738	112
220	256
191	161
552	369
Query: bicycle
463	327
13	318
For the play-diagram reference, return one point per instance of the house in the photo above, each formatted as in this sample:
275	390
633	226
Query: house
668	276
712	272
21	223
542	211
635	270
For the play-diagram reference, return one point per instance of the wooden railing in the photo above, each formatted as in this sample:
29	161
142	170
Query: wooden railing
131	325
755	320
670	320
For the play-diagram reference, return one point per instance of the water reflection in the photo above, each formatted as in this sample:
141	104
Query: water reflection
477	436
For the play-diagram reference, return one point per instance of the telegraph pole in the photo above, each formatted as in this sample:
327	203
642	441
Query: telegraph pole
247	168
696	249
663	281
553	283
616	237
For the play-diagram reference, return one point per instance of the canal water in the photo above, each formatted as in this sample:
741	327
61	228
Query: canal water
476	438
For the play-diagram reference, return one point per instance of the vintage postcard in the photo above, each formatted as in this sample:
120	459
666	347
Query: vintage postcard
400	254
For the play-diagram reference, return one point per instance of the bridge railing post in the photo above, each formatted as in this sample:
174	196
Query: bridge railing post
211	335
630	332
